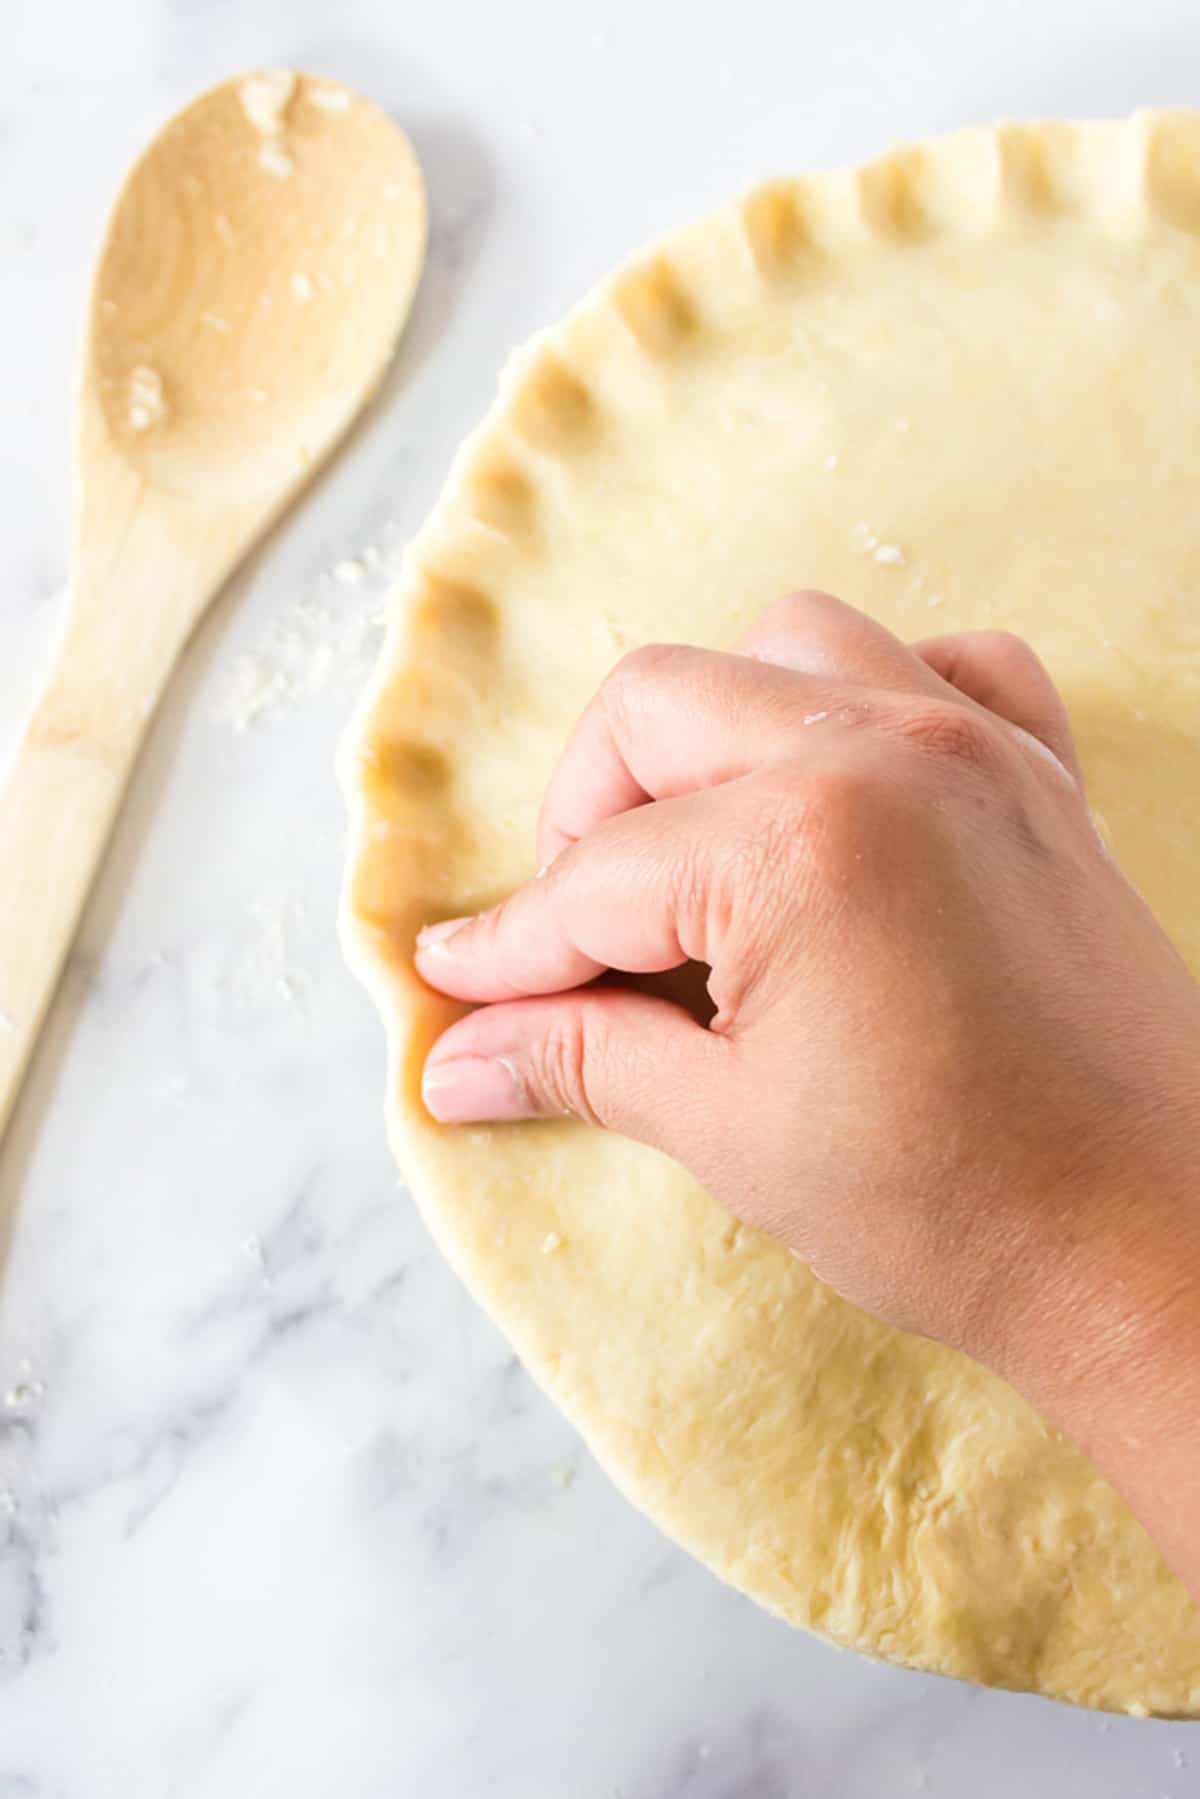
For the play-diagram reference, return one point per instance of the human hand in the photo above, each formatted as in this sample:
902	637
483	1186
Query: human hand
954	1062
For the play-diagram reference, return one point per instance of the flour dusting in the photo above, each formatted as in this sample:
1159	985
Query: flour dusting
329	99
265	98
324	643
147	403
271	964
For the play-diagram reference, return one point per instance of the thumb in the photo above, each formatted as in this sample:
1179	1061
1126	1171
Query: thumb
624	1060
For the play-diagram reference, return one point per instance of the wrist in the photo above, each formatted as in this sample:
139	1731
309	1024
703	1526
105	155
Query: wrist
1107	1348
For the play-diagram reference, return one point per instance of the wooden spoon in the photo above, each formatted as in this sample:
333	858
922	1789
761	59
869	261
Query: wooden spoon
258	267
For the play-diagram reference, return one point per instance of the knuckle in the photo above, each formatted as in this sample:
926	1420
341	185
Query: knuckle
690	878
1006	648
626	693
776	831
842	802
796	618
567	1063
792	860
952	732
760	852
637	668
746	858
823	827
800	607
843	817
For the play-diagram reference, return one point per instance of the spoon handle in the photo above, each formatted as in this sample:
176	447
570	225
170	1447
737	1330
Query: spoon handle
58	803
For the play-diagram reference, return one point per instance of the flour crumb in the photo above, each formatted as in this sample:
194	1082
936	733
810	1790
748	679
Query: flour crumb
302	287
275	160
814	718
147	403
271	965
311	650
254	691
867	539
329	99
889	553
325	641
265	98
608	634
550	1242
24	1395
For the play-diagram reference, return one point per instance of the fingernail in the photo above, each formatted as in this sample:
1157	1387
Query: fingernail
474	1090
435	938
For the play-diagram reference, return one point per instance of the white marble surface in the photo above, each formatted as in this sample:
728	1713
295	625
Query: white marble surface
279	1513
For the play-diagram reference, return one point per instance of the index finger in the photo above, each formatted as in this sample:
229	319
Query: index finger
629	897
671	720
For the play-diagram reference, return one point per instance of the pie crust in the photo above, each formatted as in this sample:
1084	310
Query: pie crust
960	387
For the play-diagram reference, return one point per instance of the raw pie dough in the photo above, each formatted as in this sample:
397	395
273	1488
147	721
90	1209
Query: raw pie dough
960	387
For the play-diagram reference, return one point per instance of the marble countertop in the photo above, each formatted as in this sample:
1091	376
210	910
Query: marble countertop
280	1514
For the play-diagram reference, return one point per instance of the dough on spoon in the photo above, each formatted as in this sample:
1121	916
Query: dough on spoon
960	387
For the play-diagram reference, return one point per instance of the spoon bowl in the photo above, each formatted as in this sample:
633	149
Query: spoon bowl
262	253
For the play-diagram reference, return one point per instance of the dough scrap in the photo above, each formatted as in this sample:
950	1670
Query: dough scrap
961	387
